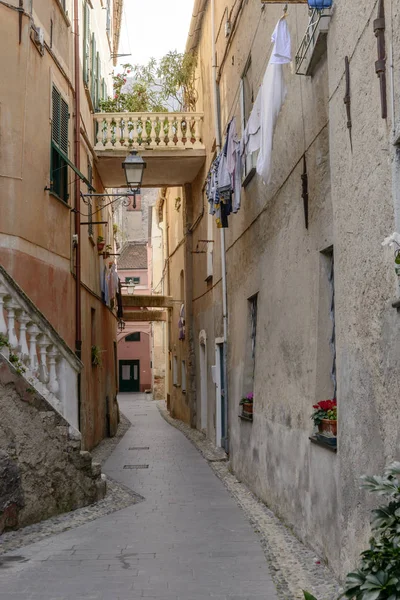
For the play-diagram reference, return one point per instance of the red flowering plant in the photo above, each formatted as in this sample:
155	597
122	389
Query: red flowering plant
247	399
325	409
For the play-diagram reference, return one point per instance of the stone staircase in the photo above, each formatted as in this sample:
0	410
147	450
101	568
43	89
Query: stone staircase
43	471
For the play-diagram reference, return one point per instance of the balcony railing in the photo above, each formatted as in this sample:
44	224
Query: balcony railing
149	130
313	44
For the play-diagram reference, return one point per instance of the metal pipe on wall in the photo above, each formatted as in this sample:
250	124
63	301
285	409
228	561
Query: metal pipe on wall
77	158
217	124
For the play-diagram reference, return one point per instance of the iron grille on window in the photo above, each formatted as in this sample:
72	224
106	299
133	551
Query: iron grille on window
59	146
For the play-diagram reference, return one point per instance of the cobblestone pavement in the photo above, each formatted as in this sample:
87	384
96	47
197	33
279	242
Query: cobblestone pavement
294	567
188	539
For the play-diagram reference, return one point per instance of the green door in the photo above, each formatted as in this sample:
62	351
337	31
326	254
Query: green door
129	376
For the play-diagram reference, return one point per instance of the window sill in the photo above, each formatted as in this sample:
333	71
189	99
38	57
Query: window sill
250	419
314	440
249	177
63	202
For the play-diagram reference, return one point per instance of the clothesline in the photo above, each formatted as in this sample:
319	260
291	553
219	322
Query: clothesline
225	175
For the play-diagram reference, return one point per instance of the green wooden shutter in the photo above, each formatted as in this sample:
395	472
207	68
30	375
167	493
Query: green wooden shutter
93	70
98	80
59	145
55	123
86	43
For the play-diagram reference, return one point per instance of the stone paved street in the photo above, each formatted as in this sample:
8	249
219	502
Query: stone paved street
188	540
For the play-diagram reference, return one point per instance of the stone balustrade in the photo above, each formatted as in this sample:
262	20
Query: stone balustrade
148	130
43	357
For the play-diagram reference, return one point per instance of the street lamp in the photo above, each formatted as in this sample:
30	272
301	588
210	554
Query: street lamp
121	325
134	167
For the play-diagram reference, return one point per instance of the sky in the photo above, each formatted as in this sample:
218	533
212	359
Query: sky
151	28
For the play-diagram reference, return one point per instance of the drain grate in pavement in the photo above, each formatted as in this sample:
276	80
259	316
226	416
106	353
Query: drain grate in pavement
136	466
140	415
139	448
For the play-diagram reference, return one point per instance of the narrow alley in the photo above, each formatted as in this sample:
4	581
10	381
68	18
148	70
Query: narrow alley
187	540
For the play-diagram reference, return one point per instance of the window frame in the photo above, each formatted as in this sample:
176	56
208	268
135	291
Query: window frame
250	160
136	334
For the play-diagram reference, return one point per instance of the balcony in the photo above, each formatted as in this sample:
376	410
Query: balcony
170	143
313	44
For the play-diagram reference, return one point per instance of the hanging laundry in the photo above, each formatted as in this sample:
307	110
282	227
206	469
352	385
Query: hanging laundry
272	95
234	164
120	311
181	322
251	138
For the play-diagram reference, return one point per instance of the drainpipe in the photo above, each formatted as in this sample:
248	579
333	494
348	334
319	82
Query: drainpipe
77	158
222	234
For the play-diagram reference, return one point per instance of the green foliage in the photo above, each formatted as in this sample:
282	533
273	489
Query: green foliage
378	577
308	596
4	341
96	356
17	364
156	87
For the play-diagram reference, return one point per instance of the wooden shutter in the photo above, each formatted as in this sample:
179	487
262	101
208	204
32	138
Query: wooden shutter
60	118
93	70
55	123
108	20
98	80
86	43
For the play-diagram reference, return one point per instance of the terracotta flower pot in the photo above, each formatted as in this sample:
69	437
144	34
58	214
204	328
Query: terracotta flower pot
328	427
100	246
248	407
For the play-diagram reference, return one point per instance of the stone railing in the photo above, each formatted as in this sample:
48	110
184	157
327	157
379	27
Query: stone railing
148	130
37	351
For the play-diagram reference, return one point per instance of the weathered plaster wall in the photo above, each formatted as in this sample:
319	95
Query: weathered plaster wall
35	227
42	471
270	252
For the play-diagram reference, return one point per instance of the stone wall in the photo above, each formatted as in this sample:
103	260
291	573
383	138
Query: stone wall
43	471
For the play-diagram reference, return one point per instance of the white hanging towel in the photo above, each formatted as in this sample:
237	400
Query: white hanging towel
273	93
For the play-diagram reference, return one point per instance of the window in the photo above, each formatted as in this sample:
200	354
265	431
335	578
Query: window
90	208
246	105
174	371
134	280
86	43
93	326
250	357
326	343
183	376
133	337
59	146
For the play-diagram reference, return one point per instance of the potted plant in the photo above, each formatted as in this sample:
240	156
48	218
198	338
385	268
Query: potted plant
100	243
247	405
107	251
325	418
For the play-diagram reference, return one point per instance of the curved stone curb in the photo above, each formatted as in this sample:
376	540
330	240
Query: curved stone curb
293	566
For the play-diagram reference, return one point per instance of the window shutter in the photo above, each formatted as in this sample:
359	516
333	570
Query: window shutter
64	118
55	125
93	70
60	118
103	89
98	80
108	21
86	44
